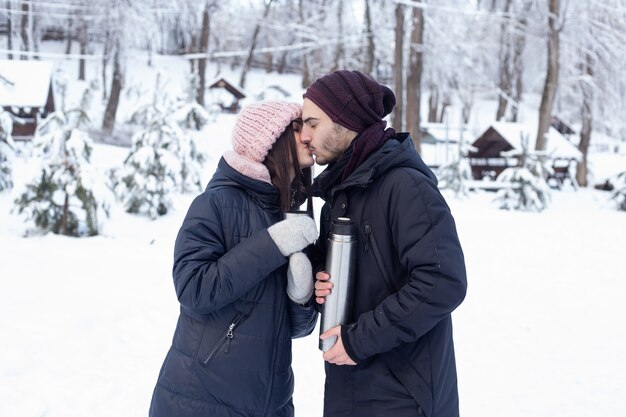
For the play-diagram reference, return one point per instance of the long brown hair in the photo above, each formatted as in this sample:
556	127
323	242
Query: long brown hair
279	161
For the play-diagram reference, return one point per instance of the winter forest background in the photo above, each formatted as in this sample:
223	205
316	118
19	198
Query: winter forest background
136	133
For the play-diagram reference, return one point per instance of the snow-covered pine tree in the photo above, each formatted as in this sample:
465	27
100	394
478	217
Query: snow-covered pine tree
188	113
528	189
63	197
7	151
162	157
619	191
455	174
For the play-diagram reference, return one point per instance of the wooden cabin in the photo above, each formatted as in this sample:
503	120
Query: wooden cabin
226	95
26	93
487	161
562	127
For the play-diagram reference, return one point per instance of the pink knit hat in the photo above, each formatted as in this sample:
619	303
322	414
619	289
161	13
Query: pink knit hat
257	128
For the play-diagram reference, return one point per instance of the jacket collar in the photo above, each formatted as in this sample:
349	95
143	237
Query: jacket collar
263	194
398	151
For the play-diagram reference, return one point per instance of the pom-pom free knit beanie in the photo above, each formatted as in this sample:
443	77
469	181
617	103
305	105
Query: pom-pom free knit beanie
257	128
358	103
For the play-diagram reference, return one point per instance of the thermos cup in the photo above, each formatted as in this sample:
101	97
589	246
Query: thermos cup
340	260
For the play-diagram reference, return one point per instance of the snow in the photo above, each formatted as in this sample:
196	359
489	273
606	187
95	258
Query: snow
86	323
28	83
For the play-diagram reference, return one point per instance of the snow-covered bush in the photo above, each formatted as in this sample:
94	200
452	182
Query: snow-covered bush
187	112
64	196
454	175
151	170
7	151
163	158
525	187
619	191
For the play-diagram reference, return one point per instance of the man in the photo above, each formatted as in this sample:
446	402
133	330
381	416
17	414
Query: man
410	271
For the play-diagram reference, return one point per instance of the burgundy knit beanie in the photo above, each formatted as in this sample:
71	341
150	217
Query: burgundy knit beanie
351	99
358	103
257	128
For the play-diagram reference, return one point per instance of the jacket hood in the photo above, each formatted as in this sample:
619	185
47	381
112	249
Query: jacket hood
263	194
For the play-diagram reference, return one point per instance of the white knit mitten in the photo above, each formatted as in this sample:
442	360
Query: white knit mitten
299	278
293	234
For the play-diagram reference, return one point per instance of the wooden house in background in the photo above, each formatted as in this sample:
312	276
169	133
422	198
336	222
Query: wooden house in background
487	161
226	95
562	127
26	93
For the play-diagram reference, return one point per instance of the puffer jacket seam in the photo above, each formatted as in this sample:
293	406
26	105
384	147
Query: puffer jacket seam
183	395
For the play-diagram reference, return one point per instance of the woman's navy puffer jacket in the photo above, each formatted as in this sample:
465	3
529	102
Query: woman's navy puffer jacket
231	351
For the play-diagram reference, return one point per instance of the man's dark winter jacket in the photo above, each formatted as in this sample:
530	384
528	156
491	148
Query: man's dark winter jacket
410	275
231	351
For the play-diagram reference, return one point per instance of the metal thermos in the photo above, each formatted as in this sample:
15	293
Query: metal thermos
340	260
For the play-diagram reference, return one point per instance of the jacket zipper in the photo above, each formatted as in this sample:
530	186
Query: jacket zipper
379	259
228	336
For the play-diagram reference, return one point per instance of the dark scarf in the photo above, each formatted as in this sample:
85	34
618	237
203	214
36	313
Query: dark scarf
367	142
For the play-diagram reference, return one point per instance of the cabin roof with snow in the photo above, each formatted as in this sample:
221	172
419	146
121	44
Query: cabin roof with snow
562	127
232	89
502	136
25	83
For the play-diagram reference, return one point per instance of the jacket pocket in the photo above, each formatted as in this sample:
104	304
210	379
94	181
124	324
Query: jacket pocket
370	244
403	370
224	340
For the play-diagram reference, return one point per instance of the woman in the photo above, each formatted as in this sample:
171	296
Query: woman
231	352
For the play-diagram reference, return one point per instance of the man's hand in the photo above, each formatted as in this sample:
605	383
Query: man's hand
322	287
337	354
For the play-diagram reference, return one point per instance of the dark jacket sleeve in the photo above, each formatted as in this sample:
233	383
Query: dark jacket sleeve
303	318
424	235
206	275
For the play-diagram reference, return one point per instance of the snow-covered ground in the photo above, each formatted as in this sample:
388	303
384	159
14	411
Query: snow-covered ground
85	323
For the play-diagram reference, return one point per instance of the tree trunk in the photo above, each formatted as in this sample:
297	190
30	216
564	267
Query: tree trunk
68	36
549	89
518	66
504	83
255	35
24	30
116	88
587	119
82	38
398	115
414	77
204	48
9	29
306	71
339	51
371	52
433	104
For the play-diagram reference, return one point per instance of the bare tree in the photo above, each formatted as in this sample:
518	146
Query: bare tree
83	39
339	49
9	29
255	35
505	82
586	115
414	77
108	122
306	71
512	44
552	75
398	116
24	29
204	46
370	50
